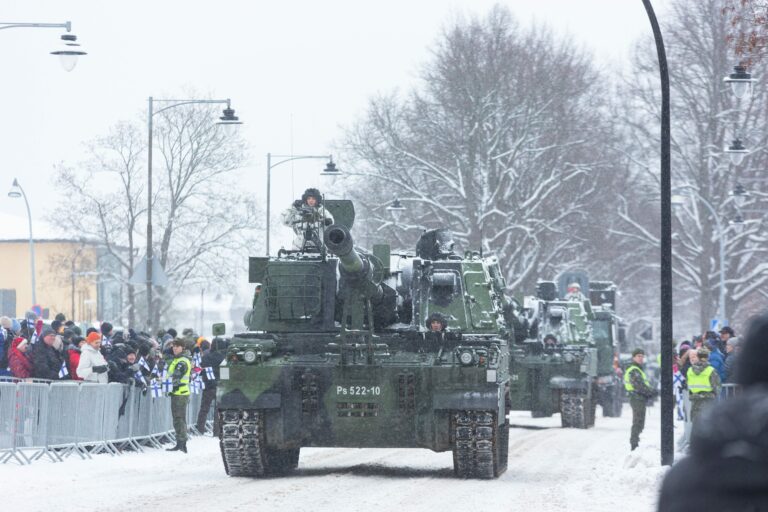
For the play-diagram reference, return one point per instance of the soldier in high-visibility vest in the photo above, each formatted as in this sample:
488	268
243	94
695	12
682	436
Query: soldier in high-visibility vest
639	390
179	371
703	384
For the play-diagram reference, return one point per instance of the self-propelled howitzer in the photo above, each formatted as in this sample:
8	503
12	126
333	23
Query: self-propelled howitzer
338	355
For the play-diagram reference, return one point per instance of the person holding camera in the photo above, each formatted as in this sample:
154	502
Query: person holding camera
308	218
92	366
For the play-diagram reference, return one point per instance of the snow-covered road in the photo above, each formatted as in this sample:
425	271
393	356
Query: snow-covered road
549	469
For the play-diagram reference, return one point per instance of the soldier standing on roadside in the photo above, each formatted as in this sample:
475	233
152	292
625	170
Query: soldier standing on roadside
639	389
703	384
178	371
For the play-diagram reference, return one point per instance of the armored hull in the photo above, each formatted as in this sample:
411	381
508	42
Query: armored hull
338	356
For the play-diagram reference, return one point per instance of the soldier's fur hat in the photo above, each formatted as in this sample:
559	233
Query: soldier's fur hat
314	193
436	317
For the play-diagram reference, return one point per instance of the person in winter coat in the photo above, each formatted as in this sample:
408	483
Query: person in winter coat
19	362
212	358
732	350
716	358
308	218
639	390
727	468
73	356
703	385
46	360
92	366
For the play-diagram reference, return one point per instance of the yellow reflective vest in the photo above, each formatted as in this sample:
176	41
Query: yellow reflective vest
184	381
700	383
628	383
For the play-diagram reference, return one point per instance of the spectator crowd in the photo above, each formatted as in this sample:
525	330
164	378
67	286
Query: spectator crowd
61	351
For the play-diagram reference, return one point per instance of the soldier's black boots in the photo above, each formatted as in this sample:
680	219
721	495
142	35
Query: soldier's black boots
180	446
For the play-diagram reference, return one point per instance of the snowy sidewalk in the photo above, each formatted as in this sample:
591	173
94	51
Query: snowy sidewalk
550	469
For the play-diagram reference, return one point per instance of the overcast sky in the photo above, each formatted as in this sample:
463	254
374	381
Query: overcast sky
296	71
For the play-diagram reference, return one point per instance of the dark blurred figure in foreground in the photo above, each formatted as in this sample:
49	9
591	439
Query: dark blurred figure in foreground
727	469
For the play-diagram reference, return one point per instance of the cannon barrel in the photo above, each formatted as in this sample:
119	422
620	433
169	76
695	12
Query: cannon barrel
355	267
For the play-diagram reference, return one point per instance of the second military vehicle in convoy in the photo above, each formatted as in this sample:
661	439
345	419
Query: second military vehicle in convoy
554	368
351	348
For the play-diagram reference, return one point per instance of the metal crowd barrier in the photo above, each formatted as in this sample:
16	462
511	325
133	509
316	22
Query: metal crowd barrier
59	419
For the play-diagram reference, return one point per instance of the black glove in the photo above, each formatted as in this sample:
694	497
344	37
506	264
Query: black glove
175	388
99	369
297	204
328	221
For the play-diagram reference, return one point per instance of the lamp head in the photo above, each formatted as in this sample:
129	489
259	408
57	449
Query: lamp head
15	191
396	209
740	81
69	52
331	169
229	121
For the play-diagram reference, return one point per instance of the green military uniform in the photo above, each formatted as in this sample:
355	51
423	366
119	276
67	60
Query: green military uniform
179	371
703	385
639	389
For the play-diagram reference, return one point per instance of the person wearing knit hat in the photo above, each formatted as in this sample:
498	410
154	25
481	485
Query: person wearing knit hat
93	367
18	360
47	361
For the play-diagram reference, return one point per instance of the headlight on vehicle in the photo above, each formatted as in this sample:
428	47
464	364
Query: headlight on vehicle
249	356
466	358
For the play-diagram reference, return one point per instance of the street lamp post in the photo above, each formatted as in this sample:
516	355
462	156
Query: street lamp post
330	170
677	200
667	403
15	192
228	119
70	50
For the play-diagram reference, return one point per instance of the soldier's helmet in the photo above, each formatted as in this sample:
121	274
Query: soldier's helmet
435	244
436	317
312	192
638	351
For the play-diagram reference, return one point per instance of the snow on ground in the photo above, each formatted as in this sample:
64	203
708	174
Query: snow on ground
550	469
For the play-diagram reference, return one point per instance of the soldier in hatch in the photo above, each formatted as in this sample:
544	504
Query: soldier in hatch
574	292
436	323
308	219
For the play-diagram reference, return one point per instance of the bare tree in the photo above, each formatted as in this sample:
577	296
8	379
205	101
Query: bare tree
102	200
205	219
504	141
705	120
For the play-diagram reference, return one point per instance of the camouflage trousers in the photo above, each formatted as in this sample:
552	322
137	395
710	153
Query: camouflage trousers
638	419
699	403
179	405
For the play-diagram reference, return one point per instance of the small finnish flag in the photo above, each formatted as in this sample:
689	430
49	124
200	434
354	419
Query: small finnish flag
154	370
167	385
143	363
63	372
140	377
156	391
209	373
197	386
196	360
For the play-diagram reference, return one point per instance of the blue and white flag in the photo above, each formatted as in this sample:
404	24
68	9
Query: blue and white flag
197	386
209	373
196	360
167	385
63	372
143	363
140	377
155	370
156	391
